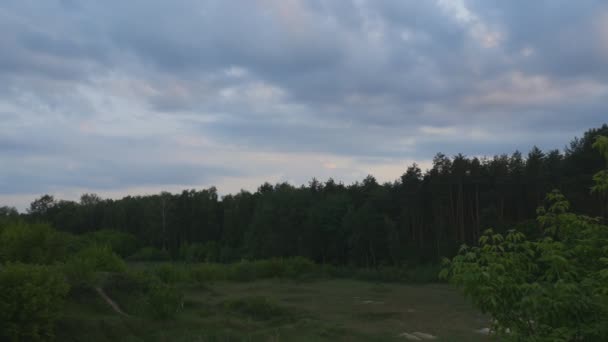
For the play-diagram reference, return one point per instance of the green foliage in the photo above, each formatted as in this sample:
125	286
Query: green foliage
101	258
82	269
601	182
551	289
554	288
8	215
31	299
292	268
150	254
200	252
208	272
302	268
419	218
299	266
242	271
80	273
296	267
403	274
170	273
601	144
164	301
123	244
257	307
32	243
133	291
601	178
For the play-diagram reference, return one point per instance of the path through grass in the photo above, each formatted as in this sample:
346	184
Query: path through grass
286	310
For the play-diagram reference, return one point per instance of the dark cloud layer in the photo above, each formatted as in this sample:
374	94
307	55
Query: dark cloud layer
121	94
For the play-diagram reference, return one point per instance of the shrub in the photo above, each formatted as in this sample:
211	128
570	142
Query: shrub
123	244
296	267
130	289
80	273
200	252
31	298
164	301
207	272
299	266
170	273
550	288
32	243
554	288
102	258
241	271
150	254
269	268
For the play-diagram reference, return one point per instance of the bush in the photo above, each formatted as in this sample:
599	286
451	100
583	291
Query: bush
164	301
200	252
296	267
123	244
269	268
150	254
241	271
207	272
80	273
102	258
299	266
31	298
32	243
554	288
170	273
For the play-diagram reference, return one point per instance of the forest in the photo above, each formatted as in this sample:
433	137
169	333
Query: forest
419	218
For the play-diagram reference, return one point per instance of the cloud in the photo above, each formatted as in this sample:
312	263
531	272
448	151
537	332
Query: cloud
119	96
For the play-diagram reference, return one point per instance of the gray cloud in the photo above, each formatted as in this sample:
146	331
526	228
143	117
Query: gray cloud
114	95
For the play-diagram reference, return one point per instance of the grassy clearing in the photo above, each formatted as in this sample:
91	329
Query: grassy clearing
286	310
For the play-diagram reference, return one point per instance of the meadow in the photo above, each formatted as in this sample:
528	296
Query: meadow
275	309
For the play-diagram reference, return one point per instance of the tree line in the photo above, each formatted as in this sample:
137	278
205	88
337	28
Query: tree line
420	217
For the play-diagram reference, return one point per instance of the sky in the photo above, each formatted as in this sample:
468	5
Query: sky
135	97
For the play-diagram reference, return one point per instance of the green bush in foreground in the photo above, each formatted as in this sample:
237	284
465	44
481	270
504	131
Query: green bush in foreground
551	289
554	288
31	298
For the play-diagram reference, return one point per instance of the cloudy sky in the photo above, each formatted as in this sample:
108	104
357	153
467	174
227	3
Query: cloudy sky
134	97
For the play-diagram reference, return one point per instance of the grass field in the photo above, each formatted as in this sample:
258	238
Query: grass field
286	310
